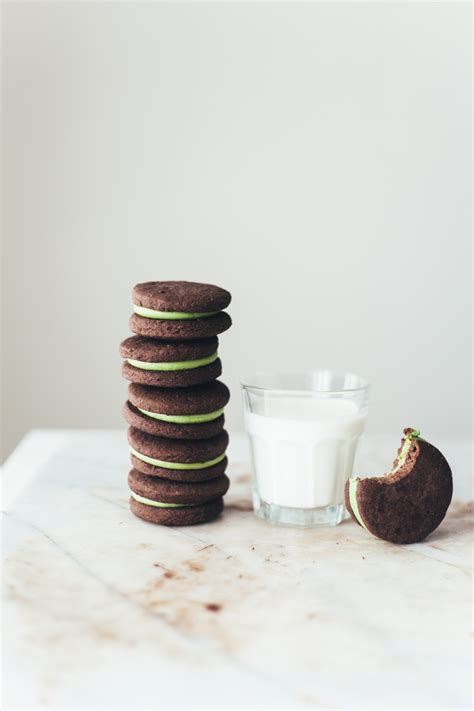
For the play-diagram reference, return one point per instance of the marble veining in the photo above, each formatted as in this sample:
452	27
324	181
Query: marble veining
102	610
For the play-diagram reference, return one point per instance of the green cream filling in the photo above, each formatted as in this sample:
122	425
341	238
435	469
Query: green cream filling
353	483
185	419
414	434
177	465
158	504
170	315
179	365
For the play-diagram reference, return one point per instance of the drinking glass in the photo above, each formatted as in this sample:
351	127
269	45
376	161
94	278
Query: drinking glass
303	427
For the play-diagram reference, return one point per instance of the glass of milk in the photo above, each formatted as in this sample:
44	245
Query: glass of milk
303	427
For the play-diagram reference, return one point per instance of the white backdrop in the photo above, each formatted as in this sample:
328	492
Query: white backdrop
312	158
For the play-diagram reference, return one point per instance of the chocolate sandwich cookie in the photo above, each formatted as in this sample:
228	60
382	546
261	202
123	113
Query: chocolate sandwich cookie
408	503
179	310
178	515
178	459
175	503
182	413
170	363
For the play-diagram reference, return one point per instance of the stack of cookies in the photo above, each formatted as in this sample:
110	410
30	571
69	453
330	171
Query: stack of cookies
175	404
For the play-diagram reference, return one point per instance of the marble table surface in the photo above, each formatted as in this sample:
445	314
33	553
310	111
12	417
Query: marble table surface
104	611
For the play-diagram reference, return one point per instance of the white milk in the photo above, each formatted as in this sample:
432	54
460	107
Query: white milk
303	449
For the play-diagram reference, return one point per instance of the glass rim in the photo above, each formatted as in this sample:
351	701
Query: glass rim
246	384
